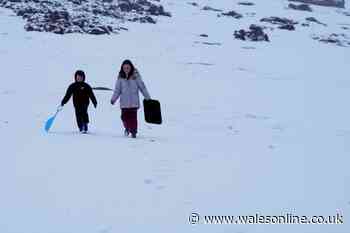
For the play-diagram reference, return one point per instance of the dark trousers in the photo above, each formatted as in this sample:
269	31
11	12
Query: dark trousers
129	118
82	116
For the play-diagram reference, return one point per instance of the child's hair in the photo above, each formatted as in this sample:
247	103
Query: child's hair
122	73
80	73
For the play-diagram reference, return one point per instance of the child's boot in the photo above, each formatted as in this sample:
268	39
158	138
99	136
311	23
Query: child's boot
85	128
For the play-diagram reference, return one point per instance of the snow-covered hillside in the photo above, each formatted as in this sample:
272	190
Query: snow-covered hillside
249	127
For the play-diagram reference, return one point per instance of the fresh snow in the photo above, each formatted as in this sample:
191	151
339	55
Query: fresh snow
248	127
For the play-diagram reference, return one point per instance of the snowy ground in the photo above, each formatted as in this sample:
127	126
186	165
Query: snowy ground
260	128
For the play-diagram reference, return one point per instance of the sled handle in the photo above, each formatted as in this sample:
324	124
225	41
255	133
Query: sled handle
59	108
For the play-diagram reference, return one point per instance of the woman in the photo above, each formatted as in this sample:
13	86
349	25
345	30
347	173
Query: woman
127	87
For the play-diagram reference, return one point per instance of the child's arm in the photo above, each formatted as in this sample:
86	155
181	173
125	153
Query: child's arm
69	93
92	97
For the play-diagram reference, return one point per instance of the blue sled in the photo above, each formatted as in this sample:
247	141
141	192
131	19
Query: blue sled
50	121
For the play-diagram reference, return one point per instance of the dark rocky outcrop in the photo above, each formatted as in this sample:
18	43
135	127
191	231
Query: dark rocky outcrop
208	8
246	3
255	33
301	7
278	21
337	39
329	3
211	43
193	3
83	16
289	27
142	6
314	20
283	23
232	14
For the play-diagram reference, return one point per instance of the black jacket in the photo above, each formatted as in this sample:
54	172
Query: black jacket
82	93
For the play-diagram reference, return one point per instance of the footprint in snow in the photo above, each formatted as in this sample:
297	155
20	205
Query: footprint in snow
235	131
151	182
248	47
200	63
161	170
7	92
188	202
105	230
277	128
188	161
203	156
256	117
148	181
343	133
160	187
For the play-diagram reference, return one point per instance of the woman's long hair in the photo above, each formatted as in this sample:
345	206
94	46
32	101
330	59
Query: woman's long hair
132	70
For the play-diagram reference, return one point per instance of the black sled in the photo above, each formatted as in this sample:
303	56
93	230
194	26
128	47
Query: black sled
153	114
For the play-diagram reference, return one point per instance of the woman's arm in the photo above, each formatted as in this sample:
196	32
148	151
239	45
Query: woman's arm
141	85
117	91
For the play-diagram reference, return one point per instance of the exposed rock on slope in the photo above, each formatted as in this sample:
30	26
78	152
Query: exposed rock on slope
332	3
336	39
83	16
301	7
255	33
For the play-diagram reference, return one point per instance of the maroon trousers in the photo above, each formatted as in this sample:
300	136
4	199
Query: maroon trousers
129	118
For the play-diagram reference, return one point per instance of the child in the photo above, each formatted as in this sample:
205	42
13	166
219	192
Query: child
127	87
82	93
